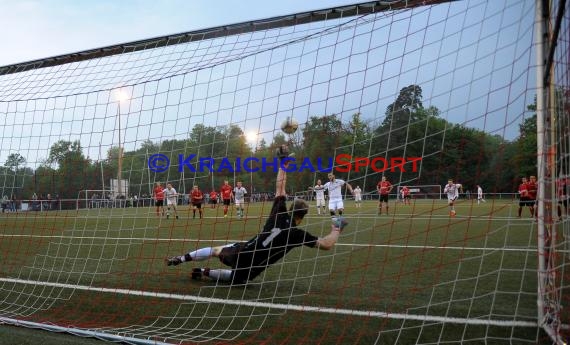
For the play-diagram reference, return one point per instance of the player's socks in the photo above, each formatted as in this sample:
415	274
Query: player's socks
198	255
218	274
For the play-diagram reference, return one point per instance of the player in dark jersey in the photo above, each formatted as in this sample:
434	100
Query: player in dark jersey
279	235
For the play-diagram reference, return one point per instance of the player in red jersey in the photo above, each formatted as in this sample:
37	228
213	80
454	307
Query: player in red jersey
227	196
213	198
532	188
158	193
197	197
523	195
406	195
384	188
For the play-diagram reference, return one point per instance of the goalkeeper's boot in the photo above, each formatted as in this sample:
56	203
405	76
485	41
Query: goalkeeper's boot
173	261
197	273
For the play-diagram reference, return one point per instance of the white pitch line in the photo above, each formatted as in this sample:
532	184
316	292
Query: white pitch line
302	308
364	245
400	216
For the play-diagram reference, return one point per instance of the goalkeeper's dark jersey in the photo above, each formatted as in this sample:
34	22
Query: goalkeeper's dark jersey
275	240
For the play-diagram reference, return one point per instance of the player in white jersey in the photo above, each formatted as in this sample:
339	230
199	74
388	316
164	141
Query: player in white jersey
358	196
239	197
171	197
319	190
452	191
480	195
334	187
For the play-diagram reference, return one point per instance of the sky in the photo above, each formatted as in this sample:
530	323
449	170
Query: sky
46	28
471	59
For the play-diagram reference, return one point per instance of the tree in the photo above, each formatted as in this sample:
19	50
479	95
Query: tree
72	173
525	158
408	102
14	160
64	150
14	177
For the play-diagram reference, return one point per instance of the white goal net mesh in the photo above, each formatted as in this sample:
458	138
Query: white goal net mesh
418	92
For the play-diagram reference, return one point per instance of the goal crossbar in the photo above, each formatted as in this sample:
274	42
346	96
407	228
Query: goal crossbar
220	31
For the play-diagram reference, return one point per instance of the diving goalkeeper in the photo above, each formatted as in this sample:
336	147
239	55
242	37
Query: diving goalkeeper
279	235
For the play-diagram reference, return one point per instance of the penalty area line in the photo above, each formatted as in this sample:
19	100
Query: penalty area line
363	245
293	307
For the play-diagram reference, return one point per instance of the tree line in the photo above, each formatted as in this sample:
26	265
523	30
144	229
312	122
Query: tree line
469	156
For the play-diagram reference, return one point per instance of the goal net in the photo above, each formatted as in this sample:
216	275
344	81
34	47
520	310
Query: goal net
416	92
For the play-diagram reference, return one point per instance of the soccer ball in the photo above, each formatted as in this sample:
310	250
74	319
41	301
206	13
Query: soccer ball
289	126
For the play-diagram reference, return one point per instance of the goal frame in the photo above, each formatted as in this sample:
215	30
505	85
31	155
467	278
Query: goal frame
85	195
418	188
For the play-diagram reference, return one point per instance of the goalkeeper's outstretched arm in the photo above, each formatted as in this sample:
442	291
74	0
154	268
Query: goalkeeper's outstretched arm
280	183
328	242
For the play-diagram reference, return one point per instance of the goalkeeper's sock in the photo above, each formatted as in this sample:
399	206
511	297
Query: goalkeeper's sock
224	275
199	255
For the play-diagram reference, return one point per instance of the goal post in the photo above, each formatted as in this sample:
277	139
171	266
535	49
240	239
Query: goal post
94	198
420	191
553	148
415	91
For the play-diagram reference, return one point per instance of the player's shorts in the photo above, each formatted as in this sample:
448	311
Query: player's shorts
159	203
563	201
320	202
383	197
407	196
171	202
357	198
227	202
197	204
451	200
229	254
239	202
524	201
240	261
336	204
213	201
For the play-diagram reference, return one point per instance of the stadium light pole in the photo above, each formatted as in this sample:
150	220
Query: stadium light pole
252	138
121	97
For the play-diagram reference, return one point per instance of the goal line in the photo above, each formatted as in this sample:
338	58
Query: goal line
293	307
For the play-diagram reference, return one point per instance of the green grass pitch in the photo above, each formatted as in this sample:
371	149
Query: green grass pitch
415	275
